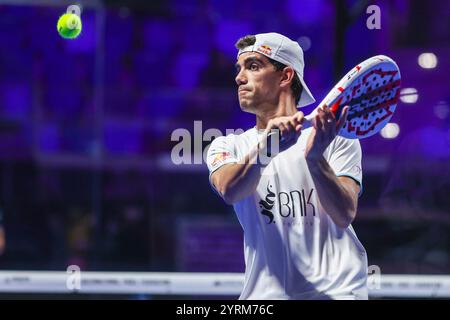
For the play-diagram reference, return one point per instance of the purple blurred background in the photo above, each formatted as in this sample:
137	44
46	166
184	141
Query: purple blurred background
85	129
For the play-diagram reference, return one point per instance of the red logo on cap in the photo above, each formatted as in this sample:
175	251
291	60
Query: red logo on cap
264	49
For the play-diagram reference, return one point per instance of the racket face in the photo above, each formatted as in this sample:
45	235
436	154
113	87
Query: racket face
371	90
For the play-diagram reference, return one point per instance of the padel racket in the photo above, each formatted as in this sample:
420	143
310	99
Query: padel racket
371	90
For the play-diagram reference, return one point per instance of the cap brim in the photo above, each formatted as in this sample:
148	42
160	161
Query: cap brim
306	97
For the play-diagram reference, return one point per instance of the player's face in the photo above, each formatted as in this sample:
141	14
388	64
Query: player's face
258	82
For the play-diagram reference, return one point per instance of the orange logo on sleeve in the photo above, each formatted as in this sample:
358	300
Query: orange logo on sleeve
222	156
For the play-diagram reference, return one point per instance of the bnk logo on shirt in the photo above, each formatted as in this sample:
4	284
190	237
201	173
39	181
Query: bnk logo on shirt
292	204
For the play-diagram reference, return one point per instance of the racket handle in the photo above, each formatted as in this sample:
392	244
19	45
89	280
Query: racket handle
307	121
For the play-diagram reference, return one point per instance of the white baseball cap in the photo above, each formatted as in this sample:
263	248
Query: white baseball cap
284	50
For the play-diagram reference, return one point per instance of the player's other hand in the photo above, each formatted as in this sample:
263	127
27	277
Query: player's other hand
326	127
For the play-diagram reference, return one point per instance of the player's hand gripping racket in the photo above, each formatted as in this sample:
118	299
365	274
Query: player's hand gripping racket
371	90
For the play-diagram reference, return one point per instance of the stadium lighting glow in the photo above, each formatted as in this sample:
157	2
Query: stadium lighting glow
390	131
304	42
427	60
409	95
441	110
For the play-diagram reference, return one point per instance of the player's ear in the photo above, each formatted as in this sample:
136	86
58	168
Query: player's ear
287	76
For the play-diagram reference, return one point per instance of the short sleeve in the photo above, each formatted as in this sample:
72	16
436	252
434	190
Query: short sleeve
220	152
345	159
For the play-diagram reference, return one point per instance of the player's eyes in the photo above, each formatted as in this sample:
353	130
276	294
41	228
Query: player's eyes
254	67
251	67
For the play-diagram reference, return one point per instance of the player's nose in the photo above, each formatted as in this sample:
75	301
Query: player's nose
240	78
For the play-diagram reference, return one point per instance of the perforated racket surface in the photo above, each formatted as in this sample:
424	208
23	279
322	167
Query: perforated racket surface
371	90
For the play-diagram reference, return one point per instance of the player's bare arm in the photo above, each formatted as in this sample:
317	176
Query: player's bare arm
236	181
338	195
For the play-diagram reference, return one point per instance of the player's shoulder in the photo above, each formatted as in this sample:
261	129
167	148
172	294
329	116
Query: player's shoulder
340	143
340	140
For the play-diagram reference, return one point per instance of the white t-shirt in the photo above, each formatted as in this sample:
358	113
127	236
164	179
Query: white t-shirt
293	249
